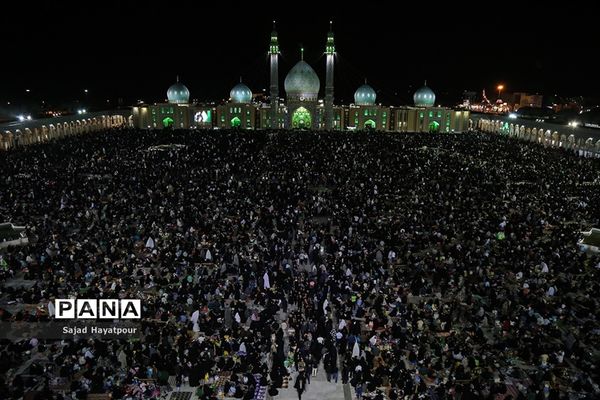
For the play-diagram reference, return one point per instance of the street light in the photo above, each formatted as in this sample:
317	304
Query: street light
500	87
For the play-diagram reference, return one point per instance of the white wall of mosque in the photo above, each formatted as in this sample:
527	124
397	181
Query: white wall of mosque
251	116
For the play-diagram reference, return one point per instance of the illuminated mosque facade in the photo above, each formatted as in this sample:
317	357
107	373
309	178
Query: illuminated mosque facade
301	108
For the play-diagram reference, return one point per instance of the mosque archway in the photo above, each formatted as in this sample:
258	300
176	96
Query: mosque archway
236	122
434	127
370	124
301	119
168	122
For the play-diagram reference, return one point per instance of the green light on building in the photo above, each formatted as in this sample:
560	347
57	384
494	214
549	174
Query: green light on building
235	122
434	127
301	119
168	122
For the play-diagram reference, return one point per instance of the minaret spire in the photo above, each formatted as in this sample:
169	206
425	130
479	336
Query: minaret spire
329	60
302	52
274	87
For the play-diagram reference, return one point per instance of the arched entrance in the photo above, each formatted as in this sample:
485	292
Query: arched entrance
236	122
301	119
167	122
434	127
369	124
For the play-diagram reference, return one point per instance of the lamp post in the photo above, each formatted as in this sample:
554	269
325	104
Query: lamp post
500	87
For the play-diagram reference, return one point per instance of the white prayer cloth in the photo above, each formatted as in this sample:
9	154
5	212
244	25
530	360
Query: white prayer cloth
373	340
195	316
356	350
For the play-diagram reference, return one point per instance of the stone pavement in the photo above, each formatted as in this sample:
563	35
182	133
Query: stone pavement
319	389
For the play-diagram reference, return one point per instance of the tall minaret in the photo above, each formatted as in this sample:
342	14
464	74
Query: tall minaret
274	53
330	53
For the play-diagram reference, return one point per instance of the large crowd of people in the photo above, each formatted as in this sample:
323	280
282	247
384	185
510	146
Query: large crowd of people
407	266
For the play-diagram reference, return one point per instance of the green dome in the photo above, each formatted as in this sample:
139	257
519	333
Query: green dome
365	96
302	82
241	94
424	97
178	93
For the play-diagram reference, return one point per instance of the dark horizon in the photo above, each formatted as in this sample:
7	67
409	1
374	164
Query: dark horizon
135	51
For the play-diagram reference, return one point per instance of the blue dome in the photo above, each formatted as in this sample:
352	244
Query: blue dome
178	93
302	82
365	96
424	97
241	94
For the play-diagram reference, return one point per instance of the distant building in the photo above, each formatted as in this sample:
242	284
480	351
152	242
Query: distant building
302	108
527	100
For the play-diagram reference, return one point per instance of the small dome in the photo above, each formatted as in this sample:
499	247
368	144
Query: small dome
178	93
365	96
241	94
302	81
424	97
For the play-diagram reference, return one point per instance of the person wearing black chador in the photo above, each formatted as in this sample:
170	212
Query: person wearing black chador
300	385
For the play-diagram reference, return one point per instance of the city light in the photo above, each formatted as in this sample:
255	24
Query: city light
574	124
81	111
500	88
512	116
22	117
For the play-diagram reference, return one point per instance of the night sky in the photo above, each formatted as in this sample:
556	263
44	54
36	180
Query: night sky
134	50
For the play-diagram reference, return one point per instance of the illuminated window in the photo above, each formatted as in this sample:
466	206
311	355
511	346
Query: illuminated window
235	122
430	114
301	119
434	127
168	122
439	114
421	115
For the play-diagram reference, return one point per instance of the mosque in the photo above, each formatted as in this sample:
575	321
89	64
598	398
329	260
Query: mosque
301	108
